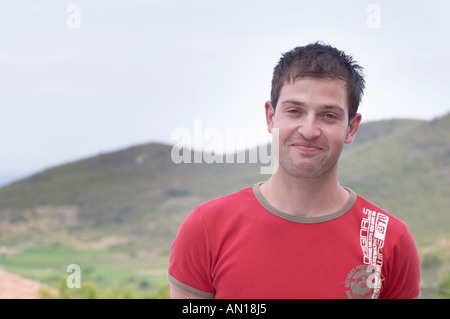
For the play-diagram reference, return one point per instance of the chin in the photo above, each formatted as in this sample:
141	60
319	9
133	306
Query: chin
303	170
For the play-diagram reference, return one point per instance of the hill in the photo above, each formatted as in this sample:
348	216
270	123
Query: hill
125	197
406	172
129	203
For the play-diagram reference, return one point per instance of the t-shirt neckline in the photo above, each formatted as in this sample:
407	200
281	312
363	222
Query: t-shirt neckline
301	219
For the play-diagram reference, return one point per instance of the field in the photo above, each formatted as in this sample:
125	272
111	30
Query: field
106	273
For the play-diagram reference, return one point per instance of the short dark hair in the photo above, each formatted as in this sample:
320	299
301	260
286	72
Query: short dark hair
320	61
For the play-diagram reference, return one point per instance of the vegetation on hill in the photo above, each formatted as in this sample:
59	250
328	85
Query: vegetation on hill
116	214
407	173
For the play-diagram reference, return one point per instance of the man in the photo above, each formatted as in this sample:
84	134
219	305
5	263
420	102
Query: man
300	234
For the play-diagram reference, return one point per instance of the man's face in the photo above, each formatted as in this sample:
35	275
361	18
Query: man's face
312	118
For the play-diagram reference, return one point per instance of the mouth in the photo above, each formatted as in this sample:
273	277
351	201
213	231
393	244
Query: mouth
305	147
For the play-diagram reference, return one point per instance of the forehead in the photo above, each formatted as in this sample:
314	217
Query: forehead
315	91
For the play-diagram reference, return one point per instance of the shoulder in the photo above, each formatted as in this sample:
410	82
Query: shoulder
229	202
384	222
222	214
389	243
208	219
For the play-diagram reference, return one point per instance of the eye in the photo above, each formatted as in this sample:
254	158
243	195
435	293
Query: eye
293	111
330	116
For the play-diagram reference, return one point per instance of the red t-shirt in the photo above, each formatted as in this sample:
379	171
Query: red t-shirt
239	246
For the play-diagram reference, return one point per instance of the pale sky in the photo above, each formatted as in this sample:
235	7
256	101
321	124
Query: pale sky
104	75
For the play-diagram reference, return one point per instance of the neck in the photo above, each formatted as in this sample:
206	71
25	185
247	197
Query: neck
305	197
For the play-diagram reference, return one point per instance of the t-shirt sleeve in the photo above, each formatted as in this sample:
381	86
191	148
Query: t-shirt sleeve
403	277
190	259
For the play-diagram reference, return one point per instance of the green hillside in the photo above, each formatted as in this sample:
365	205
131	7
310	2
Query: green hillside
137	194
407	173
116	214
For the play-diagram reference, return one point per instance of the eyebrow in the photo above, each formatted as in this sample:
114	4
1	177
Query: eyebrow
298	103
333	107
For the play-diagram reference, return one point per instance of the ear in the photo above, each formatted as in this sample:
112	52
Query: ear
270	113
352	128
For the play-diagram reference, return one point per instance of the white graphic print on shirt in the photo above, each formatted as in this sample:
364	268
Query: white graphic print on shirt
373	231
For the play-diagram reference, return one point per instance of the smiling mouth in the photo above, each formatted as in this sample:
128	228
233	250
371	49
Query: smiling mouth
309	148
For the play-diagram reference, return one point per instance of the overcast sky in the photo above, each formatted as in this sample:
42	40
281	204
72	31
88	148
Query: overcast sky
79	78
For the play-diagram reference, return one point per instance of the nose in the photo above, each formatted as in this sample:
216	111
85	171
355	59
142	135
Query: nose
309	128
